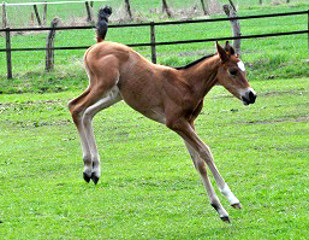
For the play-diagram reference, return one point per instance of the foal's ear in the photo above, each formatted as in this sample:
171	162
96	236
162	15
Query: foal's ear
222	53
229	49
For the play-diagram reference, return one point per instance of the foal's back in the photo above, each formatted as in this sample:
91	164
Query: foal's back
141	83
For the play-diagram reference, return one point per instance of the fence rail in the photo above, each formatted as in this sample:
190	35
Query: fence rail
153	43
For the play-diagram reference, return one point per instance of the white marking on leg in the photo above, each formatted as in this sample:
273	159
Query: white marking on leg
213	199
85	148
223	187
226	191
109	99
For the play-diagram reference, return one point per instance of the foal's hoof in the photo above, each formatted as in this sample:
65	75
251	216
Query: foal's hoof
86	177
237	206
95	179
225	219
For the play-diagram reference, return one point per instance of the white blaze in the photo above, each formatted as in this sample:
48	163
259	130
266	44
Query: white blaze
241	66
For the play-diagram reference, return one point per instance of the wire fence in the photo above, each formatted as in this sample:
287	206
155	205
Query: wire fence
40	13
153	36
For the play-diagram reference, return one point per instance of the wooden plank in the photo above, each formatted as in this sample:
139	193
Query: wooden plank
37	15
8	53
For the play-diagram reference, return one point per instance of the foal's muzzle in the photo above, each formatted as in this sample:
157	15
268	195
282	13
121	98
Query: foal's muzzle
249	97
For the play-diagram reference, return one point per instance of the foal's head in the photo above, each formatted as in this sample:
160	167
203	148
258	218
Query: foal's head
232	75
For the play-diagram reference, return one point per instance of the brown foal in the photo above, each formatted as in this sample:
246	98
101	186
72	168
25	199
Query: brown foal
171	96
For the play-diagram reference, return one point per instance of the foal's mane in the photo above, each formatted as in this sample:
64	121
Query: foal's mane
195	62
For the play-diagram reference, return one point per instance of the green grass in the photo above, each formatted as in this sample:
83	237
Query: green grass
149	188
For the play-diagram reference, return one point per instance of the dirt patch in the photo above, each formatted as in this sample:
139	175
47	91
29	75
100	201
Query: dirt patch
45	102
295	92
298	119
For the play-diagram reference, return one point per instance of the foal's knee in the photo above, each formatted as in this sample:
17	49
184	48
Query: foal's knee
201	167
76	113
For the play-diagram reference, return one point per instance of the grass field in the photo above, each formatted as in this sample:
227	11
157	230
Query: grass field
149	188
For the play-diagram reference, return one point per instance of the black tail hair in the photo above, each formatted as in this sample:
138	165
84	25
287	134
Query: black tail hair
102	24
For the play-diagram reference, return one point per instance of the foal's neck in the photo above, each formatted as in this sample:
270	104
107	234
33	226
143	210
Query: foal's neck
202	76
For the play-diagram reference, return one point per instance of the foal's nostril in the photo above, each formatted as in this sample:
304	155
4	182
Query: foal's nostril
252	97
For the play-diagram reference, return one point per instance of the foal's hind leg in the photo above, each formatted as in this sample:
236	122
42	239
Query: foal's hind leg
77	115
109	99
98	89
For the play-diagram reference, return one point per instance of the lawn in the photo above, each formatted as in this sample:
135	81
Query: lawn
149	188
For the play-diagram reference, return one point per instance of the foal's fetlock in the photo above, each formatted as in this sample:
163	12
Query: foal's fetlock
95	175
224	216
96	169
226	191
226	219
95	178
87	168
236	206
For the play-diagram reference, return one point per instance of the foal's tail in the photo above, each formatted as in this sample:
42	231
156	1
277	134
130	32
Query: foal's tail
102	24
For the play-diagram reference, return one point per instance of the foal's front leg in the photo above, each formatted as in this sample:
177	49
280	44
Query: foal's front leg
186	131
201	168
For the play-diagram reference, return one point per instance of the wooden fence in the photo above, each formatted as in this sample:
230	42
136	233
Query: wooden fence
153	43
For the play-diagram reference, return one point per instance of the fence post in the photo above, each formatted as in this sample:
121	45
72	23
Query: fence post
308	32
89	12
233	6
166	9
260	1
128	8
49	60
8	53
229	11
44	13
4	16
205	7
153	43
37	15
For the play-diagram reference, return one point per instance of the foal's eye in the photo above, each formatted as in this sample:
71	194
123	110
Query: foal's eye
233	72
